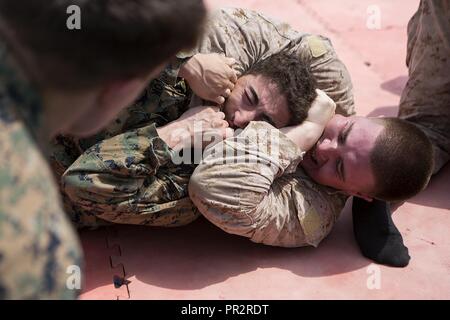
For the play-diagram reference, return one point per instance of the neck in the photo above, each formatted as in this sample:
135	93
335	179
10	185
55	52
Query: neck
64	108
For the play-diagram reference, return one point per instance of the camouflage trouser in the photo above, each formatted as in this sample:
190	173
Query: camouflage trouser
426	98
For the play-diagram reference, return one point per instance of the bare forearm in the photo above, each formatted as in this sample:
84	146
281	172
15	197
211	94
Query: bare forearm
166	134
304	135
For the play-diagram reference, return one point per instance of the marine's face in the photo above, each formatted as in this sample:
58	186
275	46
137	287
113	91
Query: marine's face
256	98
341	157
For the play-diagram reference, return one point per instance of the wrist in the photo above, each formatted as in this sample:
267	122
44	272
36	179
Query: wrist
174	134
182	73
165	134
186	69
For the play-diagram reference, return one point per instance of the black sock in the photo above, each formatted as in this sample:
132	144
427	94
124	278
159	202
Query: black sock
377	236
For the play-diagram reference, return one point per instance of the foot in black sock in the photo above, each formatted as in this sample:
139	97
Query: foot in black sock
377	236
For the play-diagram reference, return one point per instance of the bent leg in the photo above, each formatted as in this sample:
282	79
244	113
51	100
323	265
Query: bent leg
426	98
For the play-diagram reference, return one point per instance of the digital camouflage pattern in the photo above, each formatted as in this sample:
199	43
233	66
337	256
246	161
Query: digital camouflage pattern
129	177
124	174
37	243
425	100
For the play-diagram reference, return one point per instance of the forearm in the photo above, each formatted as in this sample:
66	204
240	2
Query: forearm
112	172
167	134
304	135
233	186
183	69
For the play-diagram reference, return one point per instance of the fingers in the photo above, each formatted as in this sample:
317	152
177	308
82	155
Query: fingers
227	93
219	100
231	73
213	109
232	76
228	132
220	115
230	61
219	124
229	85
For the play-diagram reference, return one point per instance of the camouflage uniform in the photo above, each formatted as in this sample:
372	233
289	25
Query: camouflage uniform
37	243
426	98
125	174
129	177
249	37
250	186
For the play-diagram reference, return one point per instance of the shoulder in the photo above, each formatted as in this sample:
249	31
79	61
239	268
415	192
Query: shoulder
26	182
231	20
234	14
330	72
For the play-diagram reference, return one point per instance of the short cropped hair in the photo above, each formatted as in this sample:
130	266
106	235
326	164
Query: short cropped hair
294	80
118	39
402	160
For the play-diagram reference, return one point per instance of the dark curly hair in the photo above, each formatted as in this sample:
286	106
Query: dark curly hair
293	79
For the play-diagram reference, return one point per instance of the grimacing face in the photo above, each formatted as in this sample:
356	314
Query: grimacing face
341	157
256	98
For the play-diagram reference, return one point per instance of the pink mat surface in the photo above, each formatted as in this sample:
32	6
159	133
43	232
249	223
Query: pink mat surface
200	261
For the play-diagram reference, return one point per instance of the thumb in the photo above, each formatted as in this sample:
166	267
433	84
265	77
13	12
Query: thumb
227	132
219	100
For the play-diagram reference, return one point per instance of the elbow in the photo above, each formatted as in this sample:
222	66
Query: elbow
198	188
210	191
75	185
219	203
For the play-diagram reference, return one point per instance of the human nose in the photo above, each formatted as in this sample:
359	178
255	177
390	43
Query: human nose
327	148
242	118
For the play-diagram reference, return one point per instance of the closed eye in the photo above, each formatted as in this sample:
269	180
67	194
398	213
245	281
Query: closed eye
342	138
255	98
247	97
340	168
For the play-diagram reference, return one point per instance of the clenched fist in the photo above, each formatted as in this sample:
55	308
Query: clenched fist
210	76
322	109
197	127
